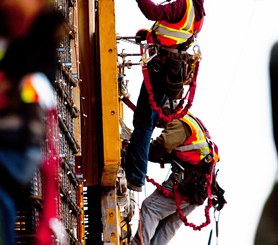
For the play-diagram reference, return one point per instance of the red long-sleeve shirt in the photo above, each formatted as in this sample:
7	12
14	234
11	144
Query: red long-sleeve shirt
171	12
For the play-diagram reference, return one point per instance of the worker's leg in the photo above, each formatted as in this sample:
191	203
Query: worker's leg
167	227
154	208
144	122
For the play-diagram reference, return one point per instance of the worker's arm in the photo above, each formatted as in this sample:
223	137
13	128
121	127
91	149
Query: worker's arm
171	12
172	136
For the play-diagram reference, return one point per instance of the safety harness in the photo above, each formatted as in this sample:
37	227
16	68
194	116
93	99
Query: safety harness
209	177
163	35
180	111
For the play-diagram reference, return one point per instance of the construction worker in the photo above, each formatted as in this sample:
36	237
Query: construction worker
29	31
183	143
177	24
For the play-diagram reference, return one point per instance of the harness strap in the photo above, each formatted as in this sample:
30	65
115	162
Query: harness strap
178	199
160	188
177	195
173	50
179	112
128	102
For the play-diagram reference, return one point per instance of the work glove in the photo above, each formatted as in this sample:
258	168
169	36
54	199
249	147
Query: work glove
141	35
219	201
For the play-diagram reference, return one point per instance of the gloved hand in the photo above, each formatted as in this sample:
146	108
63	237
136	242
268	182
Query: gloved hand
220	201
141	35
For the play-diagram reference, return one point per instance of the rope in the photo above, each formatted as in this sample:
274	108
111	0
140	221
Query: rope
49	171
160	188
179	112
128	102
179	198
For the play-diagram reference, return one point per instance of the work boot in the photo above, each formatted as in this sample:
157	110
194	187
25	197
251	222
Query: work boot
134	187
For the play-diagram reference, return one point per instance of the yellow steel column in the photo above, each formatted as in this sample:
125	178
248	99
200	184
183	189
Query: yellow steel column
110	119
111	226
109	91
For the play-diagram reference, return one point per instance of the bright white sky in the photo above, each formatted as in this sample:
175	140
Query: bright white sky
233	100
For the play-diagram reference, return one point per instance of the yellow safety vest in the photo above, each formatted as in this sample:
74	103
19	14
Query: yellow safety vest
176	33
195	147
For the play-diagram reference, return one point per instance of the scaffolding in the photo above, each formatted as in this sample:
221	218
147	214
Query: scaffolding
70	178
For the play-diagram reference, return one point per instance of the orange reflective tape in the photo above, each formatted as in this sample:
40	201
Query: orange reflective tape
29	93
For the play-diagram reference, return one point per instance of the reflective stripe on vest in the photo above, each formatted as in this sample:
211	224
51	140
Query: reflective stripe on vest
176	33
195	148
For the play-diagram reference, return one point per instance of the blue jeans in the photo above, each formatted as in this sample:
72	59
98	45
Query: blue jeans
144	122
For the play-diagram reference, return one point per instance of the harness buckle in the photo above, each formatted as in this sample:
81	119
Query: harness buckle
208	158
146	53
180	167
197	56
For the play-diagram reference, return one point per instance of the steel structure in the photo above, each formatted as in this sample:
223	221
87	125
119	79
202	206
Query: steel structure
94	204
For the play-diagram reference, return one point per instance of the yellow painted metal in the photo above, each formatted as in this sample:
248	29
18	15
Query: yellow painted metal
111	109
111	232
109	91
81	220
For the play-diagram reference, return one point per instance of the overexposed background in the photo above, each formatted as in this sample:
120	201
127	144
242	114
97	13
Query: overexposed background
233	100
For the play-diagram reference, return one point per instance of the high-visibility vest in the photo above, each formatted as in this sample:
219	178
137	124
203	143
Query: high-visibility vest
169	34
195	147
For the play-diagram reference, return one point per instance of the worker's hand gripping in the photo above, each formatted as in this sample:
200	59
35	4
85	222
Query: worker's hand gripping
141	35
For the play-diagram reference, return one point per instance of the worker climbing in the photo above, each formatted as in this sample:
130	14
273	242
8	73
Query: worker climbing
167	66
187	145
170	61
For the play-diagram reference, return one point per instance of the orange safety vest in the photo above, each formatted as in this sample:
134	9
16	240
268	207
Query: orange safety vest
195	147
169	34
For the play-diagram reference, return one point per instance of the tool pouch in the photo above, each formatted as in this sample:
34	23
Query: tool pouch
194	184
177	72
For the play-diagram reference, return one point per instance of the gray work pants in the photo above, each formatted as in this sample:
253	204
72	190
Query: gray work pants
159	220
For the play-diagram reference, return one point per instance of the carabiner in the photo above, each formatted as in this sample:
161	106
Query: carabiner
146	47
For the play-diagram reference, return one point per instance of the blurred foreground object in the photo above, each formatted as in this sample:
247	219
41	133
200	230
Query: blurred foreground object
268	225
29	32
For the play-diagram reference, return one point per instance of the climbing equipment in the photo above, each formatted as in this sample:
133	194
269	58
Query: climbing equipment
149	51
179	112
210	180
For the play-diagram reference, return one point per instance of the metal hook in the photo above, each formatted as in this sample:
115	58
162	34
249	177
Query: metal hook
146	59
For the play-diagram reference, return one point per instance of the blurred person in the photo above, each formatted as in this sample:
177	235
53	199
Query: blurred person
29	35
186	144
266	233
169	68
